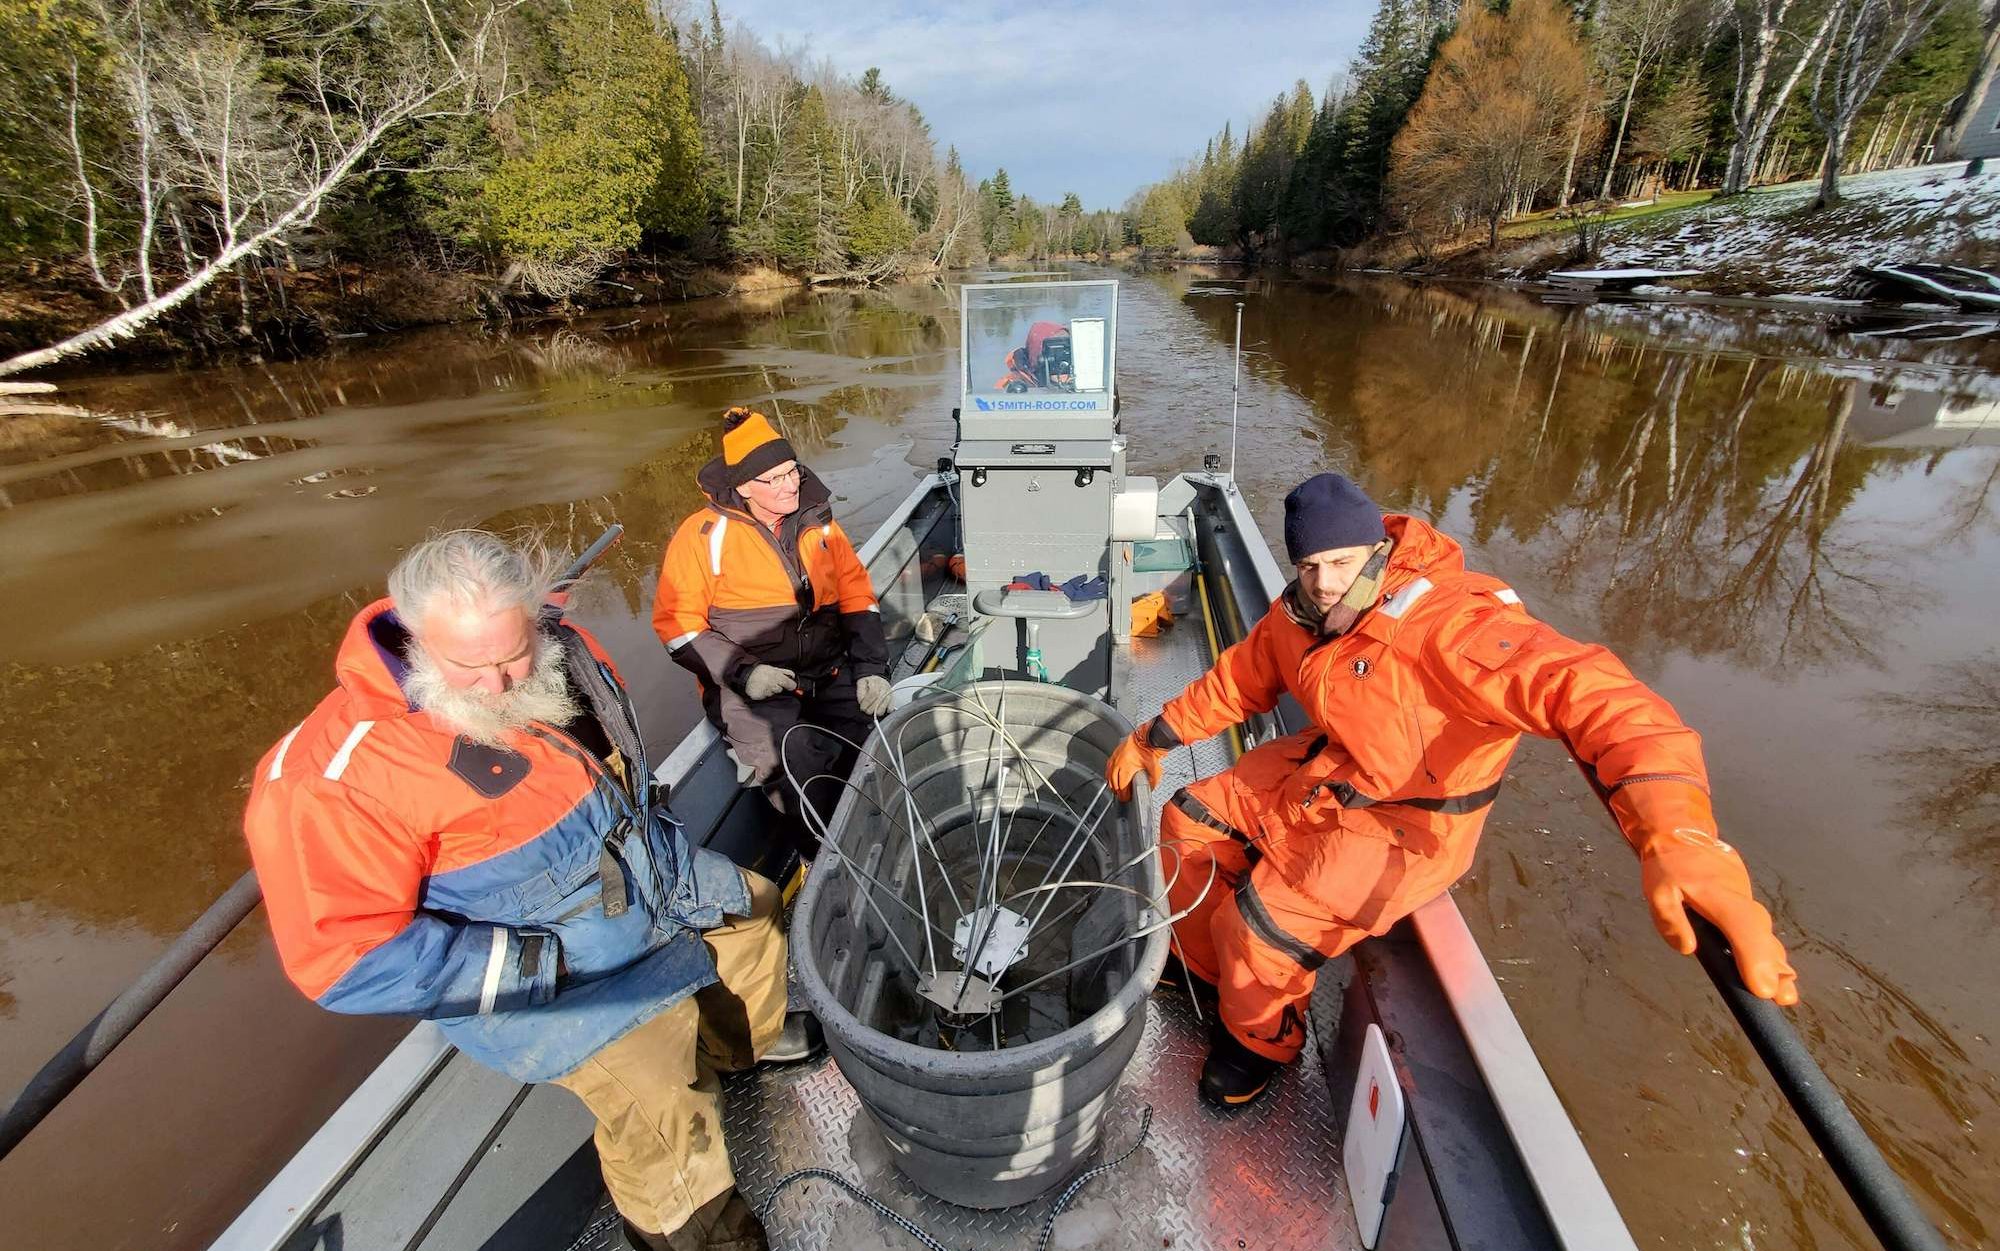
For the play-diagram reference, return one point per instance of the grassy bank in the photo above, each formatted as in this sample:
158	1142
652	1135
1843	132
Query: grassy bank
1546	221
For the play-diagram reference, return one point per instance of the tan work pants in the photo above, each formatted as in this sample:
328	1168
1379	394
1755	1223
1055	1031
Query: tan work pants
655	1093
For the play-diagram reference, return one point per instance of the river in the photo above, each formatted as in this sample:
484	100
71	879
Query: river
1791	530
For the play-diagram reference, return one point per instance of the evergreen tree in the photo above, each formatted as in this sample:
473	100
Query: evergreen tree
1388	76
1213	219
996	213
1302	218
1264	177
612	153
1069	217
1161	223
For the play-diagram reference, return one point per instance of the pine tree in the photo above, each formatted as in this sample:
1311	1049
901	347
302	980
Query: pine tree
1161	219
1309	192
996	213
1386	78
613	152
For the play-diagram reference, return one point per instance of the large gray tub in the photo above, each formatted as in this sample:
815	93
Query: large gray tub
981	1127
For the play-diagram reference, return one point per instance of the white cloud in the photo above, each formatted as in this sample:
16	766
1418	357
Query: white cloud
1097	98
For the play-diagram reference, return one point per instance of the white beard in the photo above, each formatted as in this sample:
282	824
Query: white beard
544	696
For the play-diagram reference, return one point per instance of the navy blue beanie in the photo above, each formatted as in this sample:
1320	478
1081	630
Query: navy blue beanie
1327	511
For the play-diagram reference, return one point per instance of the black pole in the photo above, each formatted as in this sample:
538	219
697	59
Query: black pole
581	565
1884	1201
67	1068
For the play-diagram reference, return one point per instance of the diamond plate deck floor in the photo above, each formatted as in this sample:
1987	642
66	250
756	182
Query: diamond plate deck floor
1265	1177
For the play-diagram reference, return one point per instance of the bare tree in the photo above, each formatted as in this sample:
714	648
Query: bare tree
1676	128
1634	34
1950	720
216	166
1868	37
1781	38
1495	118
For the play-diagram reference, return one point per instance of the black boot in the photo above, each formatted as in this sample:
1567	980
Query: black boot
1233	1075
1177	976
802	1040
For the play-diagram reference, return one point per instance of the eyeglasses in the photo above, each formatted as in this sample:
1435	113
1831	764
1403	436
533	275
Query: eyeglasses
781	478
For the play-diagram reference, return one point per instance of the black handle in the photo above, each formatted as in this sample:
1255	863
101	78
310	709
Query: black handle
1884	1201
581	565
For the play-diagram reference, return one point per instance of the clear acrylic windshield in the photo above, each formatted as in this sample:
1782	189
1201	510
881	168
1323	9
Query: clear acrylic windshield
1039	339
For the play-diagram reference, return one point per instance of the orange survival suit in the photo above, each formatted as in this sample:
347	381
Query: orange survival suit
1322	838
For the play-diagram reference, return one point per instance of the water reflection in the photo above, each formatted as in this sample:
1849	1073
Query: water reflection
1698	494
1950	723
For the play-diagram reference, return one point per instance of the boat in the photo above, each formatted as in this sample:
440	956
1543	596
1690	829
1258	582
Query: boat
1610	280
1419	1115
1955	286
435	1151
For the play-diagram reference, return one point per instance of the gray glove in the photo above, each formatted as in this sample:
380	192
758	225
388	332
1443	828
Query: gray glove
872	693
765	681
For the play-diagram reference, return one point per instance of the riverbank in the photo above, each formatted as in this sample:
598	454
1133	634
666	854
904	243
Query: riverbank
1768	242
280	312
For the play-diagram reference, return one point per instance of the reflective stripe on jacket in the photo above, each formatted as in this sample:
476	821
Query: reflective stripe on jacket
1426	698
408	871
733	595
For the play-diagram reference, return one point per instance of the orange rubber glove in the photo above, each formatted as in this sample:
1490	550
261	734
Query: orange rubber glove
1683	864
1132	755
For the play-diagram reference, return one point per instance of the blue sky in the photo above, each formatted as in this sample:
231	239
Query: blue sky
1090	96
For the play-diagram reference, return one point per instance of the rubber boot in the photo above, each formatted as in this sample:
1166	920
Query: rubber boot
724	1223
1233	1075
1177	976
802	1040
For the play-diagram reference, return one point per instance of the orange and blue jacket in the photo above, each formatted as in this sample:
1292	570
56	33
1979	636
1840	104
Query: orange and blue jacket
409	871
733	595
1417	710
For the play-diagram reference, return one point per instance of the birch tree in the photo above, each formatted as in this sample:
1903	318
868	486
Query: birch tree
1777	44
215	164
1867	37
1635	35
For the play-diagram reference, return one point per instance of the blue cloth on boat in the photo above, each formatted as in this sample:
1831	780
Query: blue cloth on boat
1080	587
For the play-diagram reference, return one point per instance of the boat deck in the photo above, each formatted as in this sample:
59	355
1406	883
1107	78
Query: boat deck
1267	1176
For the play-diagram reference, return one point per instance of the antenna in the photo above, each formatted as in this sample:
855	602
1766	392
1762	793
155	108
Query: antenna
1235	387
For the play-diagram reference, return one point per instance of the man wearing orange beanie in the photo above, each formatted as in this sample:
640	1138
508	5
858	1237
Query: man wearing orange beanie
763	599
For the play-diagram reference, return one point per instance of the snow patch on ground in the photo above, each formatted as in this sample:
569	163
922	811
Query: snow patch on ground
1768	239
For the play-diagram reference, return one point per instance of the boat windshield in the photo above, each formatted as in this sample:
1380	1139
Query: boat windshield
1040	338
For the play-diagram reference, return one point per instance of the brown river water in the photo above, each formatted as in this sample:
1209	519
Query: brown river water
1792	531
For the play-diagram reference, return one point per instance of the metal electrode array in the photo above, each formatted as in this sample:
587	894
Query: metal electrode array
1042	481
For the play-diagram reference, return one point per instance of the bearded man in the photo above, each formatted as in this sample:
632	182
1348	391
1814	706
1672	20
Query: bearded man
1419	677
466	830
